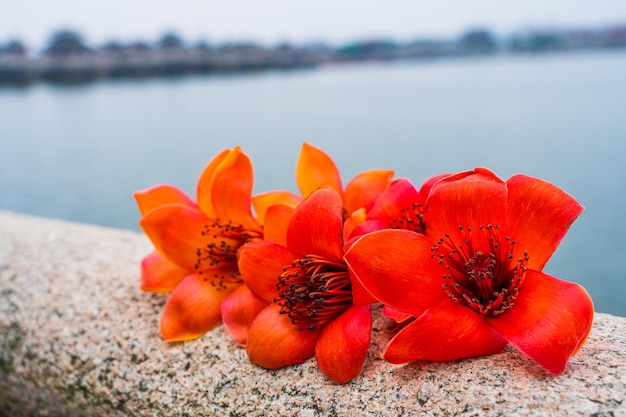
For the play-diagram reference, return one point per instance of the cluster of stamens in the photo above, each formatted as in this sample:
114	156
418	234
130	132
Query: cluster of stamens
312	291
217	260
487	278
411	218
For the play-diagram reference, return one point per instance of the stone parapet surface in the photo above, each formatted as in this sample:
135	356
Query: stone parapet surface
78	338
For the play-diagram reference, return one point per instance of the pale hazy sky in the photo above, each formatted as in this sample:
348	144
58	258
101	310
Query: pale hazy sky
298	21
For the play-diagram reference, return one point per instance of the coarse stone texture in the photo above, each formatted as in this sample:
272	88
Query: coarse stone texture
78	338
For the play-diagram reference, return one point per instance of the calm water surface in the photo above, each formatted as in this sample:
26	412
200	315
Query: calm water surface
78	153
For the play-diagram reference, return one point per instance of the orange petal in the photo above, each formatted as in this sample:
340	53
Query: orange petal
204	188
365	187
395	266
446	332
261	202
233	181
176	232
159	195
316	169
261	263
342	345
540	214
277	220
274	342
549	322
351	225
316	225
469	199
160	275
193	309
239	309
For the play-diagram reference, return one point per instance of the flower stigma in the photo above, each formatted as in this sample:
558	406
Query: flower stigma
217	260
411	218
313	291
487	279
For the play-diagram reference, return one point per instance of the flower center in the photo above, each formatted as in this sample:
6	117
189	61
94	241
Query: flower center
488	278
411	218
217	260
313	291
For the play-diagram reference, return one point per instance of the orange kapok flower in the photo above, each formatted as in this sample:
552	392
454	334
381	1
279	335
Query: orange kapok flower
309	291
316	169
197	243
474	281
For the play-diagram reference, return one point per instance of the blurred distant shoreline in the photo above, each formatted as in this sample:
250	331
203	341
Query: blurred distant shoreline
67	60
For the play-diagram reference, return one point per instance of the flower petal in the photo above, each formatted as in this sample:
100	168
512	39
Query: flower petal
446	332
540	213
396	267
342	345
160	195
469	199
261	263
176	232
400	195
193	309
233	181
262	202
395	315
274	342
365	187
239	309
316	225
549	322
430	182
277	220
205	184
160	275
316	169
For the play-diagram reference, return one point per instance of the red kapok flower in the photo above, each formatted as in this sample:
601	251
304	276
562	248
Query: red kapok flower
197	243
315	169
310	291
474	282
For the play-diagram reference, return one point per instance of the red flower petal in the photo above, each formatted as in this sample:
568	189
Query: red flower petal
316	169
232	190
261	263
239	309
469	199
342	345
395	266
316	225
160	275
430	182
204	189
274	342
395	315
160	195
193	309
176	232
549	322
400	195
365	187
540	213
446	332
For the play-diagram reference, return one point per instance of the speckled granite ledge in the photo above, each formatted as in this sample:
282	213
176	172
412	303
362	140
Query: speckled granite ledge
78	338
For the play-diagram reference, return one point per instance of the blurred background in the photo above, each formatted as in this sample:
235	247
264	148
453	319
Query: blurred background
100	100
